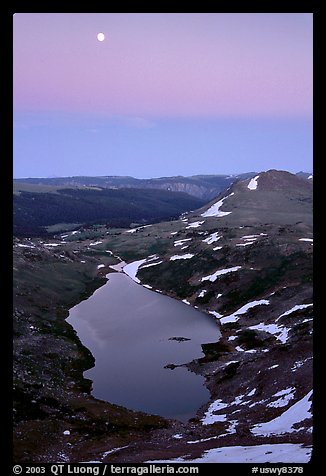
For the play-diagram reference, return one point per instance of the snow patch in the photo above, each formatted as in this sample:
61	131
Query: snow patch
215	314
95	243
260	402
285	422
151	264
181	242
66	432
286	395
212	238
193	442
131	269
195	224
280	332
213	277
101	266
232	427
253	391
294	309
186	256
253	184
236	315
299	364
237	401
114	450
286	391
214	210
210	417
306	239
177	436
118	267
202	293
252	237
133	230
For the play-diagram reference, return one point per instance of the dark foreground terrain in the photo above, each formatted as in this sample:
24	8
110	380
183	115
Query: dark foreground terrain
246	258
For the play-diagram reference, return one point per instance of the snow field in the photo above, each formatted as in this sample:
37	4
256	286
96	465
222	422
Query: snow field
272	453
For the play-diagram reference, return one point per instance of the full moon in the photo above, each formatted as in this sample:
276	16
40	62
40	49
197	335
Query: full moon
100	37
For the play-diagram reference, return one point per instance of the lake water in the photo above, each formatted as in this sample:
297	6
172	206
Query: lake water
128	329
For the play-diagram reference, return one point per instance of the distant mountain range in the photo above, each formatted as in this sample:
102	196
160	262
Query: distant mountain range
204	187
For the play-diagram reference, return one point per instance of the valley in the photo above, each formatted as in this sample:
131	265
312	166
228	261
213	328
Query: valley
245	259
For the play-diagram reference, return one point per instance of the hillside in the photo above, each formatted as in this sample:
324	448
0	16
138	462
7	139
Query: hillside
246	259
35	212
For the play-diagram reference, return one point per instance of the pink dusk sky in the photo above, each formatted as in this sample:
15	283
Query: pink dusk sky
186	64
163	85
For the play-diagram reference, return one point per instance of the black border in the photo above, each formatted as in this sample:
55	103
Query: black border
285	6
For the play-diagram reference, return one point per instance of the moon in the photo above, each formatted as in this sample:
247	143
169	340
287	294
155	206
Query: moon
100	37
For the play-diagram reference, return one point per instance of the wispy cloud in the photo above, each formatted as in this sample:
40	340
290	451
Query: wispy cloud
139	122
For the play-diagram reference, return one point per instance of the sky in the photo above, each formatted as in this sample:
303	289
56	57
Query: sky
164	94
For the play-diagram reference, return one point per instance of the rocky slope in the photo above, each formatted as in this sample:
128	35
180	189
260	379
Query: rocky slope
245	258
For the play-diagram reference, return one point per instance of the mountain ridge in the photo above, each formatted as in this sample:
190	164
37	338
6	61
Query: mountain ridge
200	186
